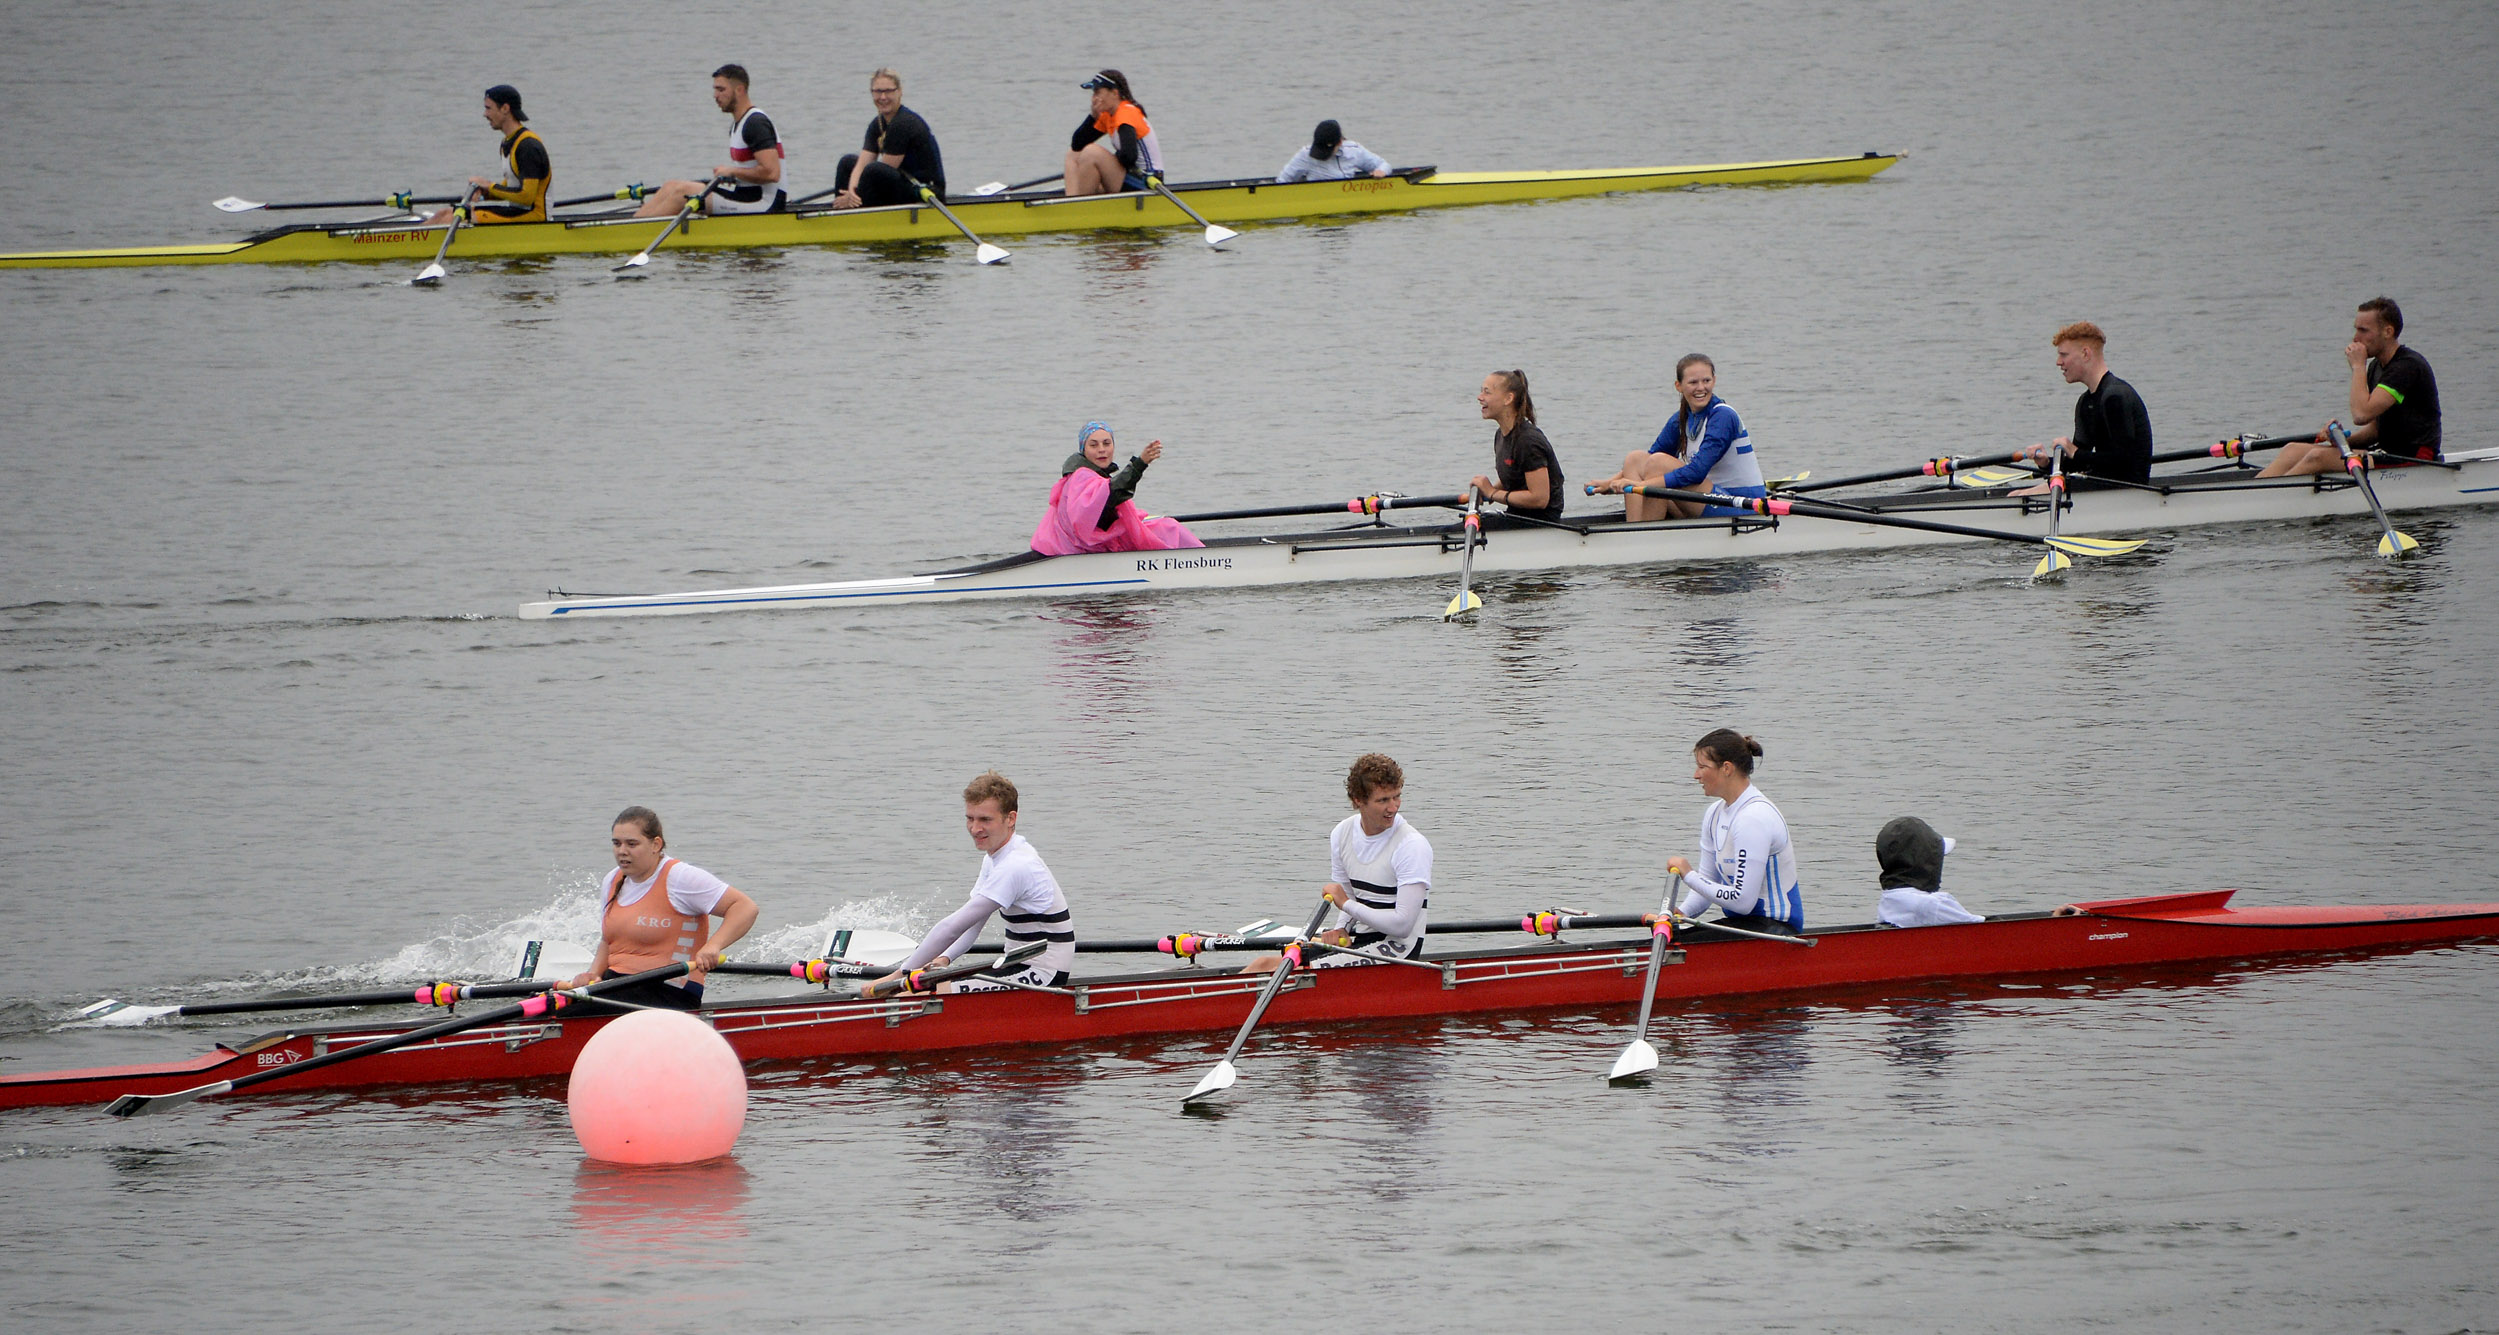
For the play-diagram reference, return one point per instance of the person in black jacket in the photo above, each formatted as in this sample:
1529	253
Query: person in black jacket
2112	440
896	157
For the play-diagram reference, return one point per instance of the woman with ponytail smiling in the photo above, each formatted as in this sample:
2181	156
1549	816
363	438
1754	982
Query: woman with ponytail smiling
1527	478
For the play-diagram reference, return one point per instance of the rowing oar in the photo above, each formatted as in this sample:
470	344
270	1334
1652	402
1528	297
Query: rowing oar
400	200
1002	188
431	994
1380	503
643	256
2394	544
629	192
545	1003
1222	1077
1466	601
926	980
1775	505
433	273
984	252
1943	466
2052	561
1215	236
1640	1057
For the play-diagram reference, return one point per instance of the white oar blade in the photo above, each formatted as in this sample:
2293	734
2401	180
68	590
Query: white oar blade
238	204
1216	1082
635	263
1216	236
1461	605
2098	546
989	254
990	188
430	275
2395	544
1638	1059
135	1105
2051	564
121	1013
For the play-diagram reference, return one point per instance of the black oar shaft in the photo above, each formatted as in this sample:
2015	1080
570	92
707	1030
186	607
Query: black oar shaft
1360	505
1941	466
1808	509
1275	984
405	996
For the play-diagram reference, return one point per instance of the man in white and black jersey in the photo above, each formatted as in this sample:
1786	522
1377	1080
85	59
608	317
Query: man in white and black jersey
751	180
1015	885
1379	874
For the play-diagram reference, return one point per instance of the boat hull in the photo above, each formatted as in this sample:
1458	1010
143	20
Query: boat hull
1390	552
2102	937
992	216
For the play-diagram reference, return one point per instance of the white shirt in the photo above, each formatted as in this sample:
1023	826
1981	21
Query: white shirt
1908	906
1349	160
1013	880
1410	863
691	890
1745	863
1016	879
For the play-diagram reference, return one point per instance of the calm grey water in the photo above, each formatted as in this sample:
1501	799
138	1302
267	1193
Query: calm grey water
266	717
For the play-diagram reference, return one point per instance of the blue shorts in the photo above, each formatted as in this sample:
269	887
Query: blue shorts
1134	182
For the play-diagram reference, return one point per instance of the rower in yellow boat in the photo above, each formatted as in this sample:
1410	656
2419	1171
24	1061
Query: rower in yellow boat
521	193
751	180
1114	147
657	911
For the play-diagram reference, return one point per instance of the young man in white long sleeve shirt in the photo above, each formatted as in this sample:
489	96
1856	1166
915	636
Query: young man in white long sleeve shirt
1379	875
1014	884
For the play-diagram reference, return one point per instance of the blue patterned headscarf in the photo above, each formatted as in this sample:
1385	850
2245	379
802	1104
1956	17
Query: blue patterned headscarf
1090	428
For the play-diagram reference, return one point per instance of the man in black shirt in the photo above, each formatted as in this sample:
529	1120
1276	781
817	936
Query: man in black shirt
898	151
2394	398
2112	438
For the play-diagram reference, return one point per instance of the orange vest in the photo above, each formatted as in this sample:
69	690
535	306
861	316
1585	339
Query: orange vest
649	932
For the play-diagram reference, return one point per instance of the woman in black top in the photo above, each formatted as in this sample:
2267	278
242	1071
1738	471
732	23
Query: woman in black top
1527	478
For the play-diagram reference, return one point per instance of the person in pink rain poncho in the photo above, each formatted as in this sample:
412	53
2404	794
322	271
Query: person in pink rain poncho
1091	509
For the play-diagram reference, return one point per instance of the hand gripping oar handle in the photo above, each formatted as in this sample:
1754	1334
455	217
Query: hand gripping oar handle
926	980
546	1003
1222	1076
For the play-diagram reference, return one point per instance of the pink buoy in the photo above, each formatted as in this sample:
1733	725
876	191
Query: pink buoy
657	1087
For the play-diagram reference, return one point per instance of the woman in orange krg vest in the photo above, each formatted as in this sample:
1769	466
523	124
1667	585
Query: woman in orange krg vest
657	911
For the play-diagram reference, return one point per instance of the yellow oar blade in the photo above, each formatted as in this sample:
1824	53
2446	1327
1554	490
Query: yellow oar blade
1779	483
2052	563
1989	477
2097	546
2396	544
1461	605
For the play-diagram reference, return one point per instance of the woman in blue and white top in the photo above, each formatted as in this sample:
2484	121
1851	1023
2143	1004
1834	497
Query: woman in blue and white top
1745	866
1703	447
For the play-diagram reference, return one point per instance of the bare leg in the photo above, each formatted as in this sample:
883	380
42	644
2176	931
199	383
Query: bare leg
1649	470
668	199
2302	460
1093	170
